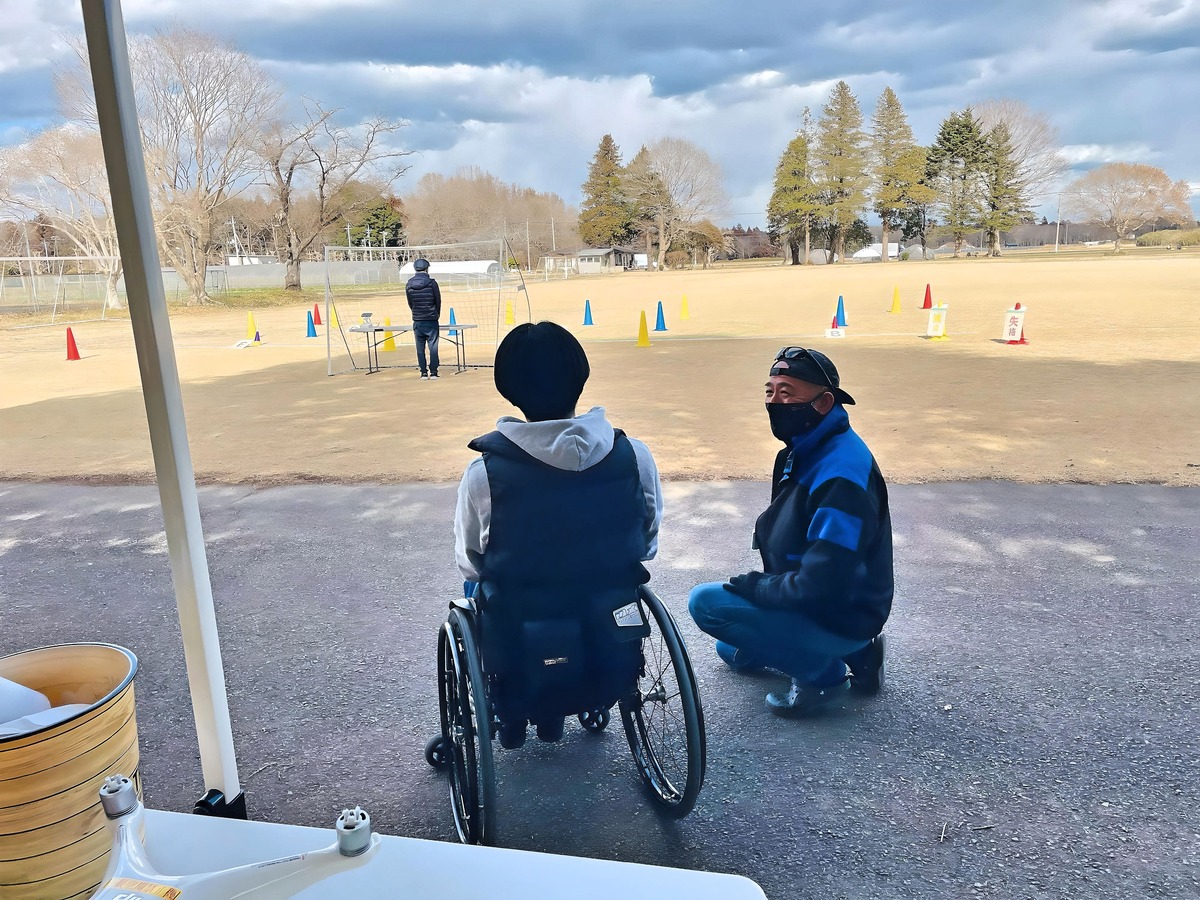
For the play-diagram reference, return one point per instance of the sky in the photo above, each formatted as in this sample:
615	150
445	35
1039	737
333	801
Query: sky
526	89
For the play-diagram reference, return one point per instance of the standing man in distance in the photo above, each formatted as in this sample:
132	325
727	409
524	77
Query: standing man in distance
425	301
825	591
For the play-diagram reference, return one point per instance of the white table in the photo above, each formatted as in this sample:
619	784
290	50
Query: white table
376	334
183	844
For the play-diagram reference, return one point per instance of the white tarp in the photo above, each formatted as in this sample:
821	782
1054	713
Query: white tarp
875	251
456	267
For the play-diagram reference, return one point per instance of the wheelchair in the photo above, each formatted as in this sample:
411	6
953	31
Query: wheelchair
541	663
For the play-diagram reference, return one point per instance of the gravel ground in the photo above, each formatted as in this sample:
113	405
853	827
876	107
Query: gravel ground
1036	737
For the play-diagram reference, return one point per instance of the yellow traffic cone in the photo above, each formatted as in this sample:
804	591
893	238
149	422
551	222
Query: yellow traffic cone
251	328
509	318
895	300
643	332
389	342
684	314
333	322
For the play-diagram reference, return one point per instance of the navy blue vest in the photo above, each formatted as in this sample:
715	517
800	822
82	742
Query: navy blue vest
554	529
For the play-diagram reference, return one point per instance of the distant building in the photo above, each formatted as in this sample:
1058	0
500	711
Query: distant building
602	260
558	261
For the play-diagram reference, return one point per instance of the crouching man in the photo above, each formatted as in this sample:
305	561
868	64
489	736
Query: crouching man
825	591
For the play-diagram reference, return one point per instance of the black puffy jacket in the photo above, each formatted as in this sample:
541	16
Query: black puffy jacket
424	298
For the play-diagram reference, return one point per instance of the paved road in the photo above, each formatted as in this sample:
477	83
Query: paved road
1037	737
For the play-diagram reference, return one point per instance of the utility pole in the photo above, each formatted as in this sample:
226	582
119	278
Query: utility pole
1057	220
528	256
553	239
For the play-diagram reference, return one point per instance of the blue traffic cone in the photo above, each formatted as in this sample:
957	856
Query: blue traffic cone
453	332
587	313
660	323
841	313
312	328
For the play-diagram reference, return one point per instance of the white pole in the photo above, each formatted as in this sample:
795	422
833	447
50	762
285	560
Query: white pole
121	138
1057	220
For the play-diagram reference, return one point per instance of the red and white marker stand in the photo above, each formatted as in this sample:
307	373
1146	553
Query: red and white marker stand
833	331
1014	326
935	330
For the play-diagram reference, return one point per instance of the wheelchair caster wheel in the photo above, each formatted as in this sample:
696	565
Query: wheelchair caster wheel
594	720
437	753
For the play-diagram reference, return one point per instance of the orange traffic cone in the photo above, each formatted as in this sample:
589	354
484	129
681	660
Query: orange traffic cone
72	350
834	323
928	304
316	314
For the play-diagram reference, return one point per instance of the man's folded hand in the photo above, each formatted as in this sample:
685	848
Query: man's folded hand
743	585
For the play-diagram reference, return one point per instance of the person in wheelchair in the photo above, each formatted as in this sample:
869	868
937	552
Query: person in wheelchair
553	523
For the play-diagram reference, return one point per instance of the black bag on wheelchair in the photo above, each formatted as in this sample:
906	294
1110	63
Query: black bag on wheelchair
557	656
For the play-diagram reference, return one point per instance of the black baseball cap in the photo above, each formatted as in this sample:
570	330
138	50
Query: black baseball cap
812	366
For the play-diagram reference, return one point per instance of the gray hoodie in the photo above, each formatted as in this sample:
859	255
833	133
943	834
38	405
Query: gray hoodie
569	444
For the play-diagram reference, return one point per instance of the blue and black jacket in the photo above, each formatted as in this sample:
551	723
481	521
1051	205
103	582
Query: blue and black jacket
826	538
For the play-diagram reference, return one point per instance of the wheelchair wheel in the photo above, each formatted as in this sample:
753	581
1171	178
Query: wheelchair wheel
594	720
435	752
663	719
466	730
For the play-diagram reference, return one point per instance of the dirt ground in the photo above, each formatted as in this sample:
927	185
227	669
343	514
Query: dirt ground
1107	390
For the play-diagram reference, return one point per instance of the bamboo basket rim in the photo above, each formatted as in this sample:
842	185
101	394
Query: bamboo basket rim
125	682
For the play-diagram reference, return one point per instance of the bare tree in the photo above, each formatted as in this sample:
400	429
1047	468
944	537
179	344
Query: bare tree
1126	196
1036	152
694	185
327	160
474	205
59	175
201	106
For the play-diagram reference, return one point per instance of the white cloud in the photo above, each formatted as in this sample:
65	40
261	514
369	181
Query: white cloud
1077	154
528	96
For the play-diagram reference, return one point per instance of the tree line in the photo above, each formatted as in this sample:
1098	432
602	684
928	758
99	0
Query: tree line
231	165
218	140
983	172
666	196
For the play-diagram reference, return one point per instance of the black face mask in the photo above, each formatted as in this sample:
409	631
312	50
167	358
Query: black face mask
791	420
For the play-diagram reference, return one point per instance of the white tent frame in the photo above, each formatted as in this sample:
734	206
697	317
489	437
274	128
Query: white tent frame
108	55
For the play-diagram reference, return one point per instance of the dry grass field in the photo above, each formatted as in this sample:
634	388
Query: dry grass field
1107	390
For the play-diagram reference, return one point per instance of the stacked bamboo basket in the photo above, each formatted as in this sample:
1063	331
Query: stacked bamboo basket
53	843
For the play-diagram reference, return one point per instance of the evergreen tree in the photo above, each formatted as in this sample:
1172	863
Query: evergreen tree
795	200
379	222
955	169
648	198
917	216
1004	195
840	164
897	165
604	217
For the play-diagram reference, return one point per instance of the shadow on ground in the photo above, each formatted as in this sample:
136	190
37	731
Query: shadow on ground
935	415
1036	738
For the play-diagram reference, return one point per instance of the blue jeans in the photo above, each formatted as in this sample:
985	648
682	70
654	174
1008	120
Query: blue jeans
427	333
775	639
